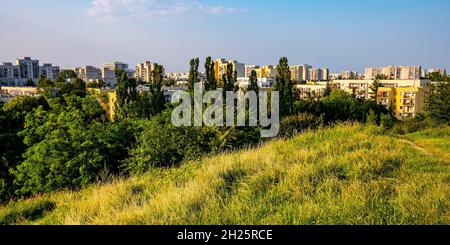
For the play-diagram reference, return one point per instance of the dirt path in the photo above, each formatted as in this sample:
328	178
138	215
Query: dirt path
414	145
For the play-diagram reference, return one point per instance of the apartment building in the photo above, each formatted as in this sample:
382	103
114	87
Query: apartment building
395	72
9	73
220	68
406	102
89	73
49	71
144	71
346	75
117	65
249	68
441	71
309	91
28	68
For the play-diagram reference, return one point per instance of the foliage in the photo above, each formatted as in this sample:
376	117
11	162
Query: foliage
285	87
438	106
298	123
349	174
193	74
67	147
210	83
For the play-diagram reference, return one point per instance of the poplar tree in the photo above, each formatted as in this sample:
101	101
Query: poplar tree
285	87
193	74
210	83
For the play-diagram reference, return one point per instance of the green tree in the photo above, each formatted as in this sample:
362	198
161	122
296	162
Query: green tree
285	87
29	83
375	86
156	92
127	95
253	82
210	83
229	79
193	74
438	99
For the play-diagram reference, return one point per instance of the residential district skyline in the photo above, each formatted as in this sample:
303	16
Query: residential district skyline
342	35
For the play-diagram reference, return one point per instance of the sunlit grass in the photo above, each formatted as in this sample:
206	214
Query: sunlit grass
350	174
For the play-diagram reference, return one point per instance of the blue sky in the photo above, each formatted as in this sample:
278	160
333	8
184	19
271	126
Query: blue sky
343	35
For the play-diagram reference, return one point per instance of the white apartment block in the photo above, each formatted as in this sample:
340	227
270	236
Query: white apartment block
144	71
49	71
89	73
361	88
116	66
28	68
395	72
249	68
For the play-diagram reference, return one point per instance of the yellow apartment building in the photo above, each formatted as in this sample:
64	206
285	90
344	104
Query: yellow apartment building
220	68
107	99
406	102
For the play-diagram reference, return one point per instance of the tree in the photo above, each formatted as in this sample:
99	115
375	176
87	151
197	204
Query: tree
29	83
229	79
157	95
210	83
376	85
68	146
193	74
285	87
438	98
127	95
253	82
44	83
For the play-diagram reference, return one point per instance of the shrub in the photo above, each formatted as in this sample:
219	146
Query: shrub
163	145
291	125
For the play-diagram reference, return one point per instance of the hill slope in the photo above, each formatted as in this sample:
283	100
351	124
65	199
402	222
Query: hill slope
346	175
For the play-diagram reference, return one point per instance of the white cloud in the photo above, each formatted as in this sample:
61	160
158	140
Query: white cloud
137	9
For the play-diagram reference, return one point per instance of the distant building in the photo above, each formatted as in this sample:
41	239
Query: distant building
349	75
296	73
9	74
144	71
394	72
116	66
249	69
28	68
89	73
220	68
406	102
49	71
309	91
441	71
108	76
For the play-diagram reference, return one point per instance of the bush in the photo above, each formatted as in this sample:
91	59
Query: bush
291	125
163	145
414	124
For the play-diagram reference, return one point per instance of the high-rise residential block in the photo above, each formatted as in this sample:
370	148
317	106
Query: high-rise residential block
144	71
249	69
28	68
116	66
89	73
220	68
49	71
394	72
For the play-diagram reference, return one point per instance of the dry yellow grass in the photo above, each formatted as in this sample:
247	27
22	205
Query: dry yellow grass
350	174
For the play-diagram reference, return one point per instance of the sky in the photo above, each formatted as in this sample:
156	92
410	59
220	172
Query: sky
338	34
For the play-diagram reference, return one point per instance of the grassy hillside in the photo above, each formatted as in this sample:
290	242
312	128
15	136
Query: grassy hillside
346	175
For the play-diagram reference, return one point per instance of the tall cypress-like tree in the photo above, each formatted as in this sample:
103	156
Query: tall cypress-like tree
210	83
193	74
126	93
285	86
253	82
229	78
156	92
